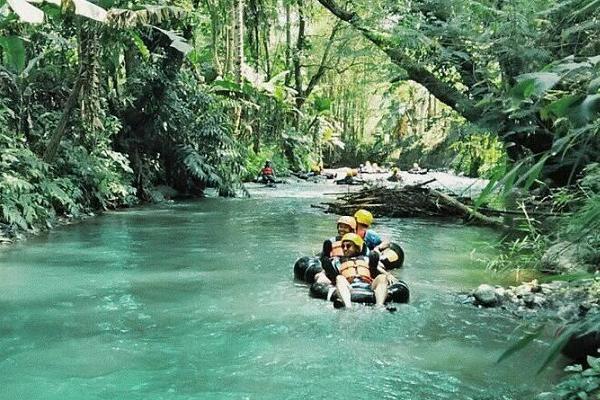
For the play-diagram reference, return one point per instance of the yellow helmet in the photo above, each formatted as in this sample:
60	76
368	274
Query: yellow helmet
348	220
354	238
364	217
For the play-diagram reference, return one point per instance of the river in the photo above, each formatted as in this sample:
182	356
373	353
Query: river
196	300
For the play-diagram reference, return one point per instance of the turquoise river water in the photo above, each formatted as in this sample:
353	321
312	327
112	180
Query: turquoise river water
196	300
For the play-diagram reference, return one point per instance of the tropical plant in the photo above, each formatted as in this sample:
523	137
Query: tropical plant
478	155
470	60
581	384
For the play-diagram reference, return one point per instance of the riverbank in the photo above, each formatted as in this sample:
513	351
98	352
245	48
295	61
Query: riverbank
565	301
459	185
10	234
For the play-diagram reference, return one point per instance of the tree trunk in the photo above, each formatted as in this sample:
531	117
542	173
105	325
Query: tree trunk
266	41
298	53
238	41
215	35
61	128
288	44
316	78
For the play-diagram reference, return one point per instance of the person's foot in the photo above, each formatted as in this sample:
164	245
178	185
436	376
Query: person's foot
338	303
391	308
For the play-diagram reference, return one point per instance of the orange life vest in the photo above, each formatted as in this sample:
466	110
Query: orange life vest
356	268
336	249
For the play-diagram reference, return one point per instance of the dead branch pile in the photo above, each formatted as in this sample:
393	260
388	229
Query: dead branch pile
407	201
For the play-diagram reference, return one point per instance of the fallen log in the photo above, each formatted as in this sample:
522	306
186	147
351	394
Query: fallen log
469	211
425	183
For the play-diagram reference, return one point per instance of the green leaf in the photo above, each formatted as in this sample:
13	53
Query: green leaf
14	49
488	190
279	93
579	28
509	179
26	12
13	216
280	77
535	84
226	84
558	344
572	66
89	10
533	173
139	43
519	345
590	106
322	104
560	108
591	7
177	42
523	89
585	111
594	362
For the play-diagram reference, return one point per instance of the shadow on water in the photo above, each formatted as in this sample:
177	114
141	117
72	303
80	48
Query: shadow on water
196	301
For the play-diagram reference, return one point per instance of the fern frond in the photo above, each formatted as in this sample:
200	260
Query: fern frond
198	167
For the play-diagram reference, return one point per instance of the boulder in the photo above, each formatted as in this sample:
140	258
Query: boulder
485	295
566	257
581	345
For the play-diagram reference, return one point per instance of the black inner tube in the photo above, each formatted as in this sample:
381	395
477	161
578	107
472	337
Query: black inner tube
397	293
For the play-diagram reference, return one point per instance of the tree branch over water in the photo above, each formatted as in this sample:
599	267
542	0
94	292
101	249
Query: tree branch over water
443	91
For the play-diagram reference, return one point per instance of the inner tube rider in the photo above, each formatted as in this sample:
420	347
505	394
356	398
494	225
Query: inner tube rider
374	242
353	270
390	254
267	173
332	247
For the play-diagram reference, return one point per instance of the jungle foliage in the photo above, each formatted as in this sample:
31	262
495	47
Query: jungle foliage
201	93
102	104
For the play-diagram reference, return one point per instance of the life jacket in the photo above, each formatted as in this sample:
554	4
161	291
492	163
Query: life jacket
267	171
336	249
356	268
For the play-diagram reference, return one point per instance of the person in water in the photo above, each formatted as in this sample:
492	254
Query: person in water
395	177
332	247
353	269
345	224
350	178
373	242
267	173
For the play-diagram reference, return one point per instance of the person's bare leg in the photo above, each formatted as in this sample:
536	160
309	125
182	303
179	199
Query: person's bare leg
380	286
320	277
343	288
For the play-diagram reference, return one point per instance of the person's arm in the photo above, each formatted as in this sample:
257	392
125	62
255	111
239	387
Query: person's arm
326	250
377	268
330	266
380	244
390	278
